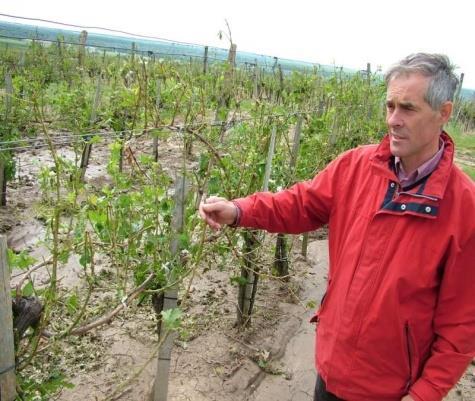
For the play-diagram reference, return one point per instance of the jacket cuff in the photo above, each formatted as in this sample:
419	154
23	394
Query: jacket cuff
422	390
236	221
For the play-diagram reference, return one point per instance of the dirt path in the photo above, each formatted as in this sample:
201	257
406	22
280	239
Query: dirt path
268	361
298	359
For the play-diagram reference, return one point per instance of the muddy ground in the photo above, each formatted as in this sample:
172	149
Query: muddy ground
212	359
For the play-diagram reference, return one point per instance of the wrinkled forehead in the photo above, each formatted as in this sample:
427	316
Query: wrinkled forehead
408	86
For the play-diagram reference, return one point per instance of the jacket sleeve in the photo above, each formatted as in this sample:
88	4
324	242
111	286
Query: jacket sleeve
454	326
301	208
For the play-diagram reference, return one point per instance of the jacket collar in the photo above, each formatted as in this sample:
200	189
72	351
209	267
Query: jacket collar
382	161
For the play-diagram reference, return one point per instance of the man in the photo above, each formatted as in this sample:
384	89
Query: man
398	319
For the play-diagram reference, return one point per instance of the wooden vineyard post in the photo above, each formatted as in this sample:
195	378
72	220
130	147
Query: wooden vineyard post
3	180
188	138
295	151
225	99
232	55
8	94
255	93
86	153
249	271
205	61
368	97
133	50
157	108
457	97
3	171
7	348
248	287
60	49
281	84
21	63
160	386
334	131
295	147
281	263
459	87
228	77
281	260
270	156
145	91
82	47
273	93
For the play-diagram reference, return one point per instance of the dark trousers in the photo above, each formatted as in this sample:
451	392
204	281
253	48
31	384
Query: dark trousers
321	393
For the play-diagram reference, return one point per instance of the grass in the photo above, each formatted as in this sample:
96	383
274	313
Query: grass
465	147
470	171
13	43
464	141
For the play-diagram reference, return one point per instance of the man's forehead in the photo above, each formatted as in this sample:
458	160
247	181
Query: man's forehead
407	88
413	79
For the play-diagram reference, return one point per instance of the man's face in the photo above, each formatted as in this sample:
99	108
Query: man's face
414	127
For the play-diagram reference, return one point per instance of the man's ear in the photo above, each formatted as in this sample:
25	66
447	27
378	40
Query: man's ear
446	111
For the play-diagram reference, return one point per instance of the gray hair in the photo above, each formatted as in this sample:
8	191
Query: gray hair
437	67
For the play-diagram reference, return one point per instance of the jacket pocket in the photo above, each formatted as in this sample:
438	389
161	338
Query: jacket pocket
316	316
412	355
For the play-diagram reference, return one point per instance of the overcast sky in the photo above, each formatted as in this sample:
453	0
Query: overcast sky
341	32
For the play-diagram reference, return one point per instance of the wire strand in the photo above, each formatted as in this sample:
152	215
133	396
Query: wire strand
118	49
153	38
175	128
98	28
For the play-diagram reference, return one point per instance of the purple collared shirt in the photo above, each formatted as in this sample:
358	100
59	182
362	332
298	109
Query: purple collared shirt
423	170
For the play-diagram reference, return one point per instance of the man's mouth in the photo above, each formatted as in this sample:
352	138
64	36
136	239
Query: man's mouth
397	137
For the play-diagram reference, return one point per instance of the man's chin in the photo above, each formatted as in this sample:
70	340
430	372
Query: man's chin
395	150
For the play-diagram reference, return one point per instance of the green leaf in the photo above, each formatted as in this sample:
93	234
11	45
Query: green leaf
93	199
184	241
311	304
172	318
124	201
204	161
214	185
28	290
20	261
238	280
72	303
99	219
55	382
95	139
85	258
63	256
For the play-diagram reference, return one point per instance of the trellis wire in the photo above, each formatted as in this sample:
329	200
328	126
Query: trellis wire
132	35
175	128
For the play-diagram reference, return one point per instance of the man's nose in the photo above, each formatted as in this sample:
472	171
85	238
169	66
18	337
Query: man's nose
394	119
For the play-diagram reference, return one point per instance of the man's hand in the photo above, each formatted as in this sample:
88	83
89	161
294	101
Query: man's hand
218	211
407	398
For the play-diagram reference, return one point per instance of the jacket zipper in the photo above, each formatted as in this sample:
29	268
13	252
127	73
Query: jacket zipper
428	197
409	354
322	301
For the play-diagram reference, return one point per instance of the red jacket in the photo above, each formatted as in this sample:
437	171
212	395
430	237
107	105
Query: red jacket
399	312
